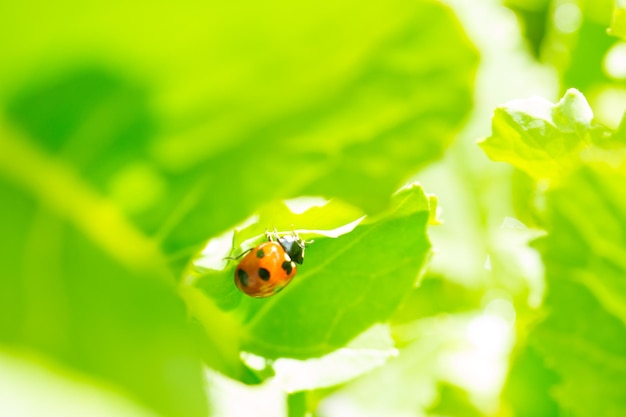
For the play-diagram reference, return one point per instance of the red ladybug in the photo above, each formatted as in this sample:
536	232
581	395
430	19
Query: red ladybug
269	267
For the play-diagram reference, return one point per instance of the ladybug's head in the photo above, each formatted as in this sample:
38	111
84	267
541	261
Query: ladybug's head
294	246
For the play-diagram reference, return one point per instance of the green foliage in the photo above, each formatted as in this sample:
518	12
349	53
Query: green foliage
435	295
534	15
571	37
128	140
545	140
528	387
583	68
582	342
453	401
143	145
71	290
296	404
581	338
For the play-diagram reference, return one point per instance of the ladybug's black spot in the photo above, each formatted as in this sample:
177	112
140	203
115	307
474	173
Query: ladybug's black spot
287	266
264	274
260	253
243	277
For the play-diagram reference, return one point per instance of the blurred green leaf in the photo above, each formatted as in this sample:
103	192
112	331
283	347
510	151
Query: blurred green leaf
586	239
618	23
218	334
375	116
453	401
345	285
583	66
527	392
407	384
64	296
584	55
545	140
572	37
619	136
436	295
271	106
368	351
534	15
582	337
584	345
296	404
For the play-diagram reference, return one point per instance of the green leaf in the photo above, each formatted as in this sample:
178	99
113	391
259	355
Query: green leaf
436	295
34	386
547	141
582	64
268	106
533	15
453	401
371	122
353	282
619	136
368	351
219	335
346	285
296	404
529	384
585	346
68	298
587	233
407	384
584	336
618	23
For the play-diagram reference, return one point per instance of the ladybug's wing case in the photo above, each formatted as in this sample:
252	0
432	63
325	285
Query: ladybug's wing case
266	270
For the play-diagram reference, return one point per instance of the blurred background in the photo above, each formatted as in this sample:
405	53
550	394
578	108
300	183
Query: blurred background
131	134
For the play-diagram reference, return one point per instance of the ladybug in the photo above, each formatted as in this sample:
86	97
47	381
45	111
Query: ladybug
268	268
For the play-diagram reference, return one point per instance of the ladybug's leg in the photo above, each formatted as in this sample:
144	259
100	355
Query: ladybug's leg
301	242
297	239
271	236
230	258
